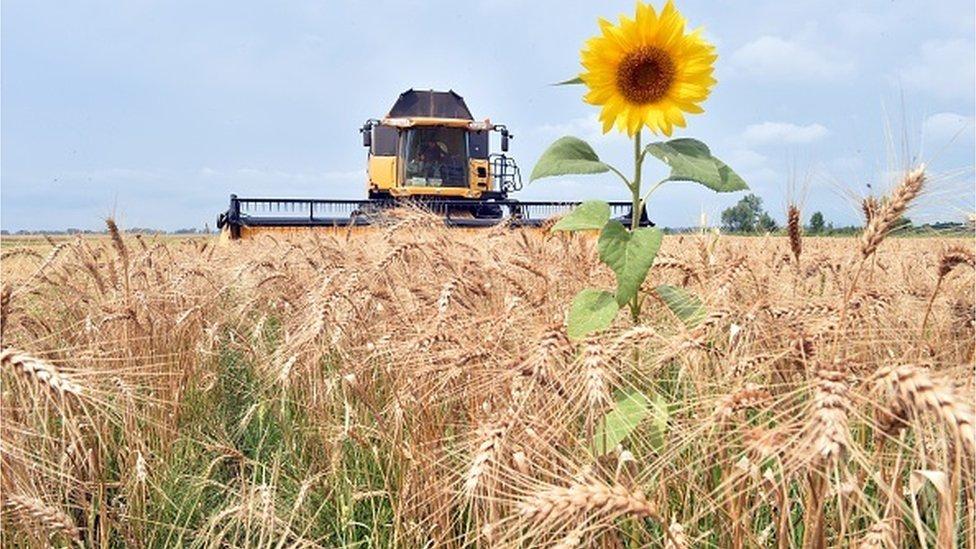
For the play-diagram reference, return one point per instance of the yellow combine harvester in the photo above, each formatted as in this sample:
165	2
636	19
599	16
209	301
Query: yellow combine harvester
429	152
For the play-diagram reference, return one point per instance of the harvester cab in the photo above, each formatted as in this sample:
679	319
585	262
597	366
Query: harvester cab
428	151
430	148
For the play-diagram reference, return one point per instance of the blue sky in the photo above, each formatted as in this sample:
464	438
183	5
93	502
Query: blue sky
157	111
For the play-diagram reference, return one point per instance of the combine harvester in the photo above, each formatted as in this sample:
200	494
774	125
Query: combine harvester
428	152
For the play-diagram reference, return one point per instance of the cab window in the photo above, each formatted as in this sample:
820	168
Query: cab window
435	157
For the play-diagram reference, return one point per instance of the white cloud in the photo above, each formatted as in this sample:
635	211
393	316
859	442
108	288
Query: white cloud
249	173
779	58
846	164
752	166
101	175
784	132
943	127
860	22
744	159
587	128
944	68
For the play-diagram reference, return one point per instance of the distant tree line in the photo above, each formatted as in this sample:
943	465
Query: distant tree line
133	230
749	217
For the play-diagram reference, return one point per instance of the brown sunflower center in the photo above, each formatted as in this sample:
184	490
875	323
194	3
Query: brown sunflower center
645	75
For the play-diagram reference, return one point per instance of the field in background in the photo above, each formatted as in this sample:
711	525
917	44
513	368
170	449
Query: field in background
415	386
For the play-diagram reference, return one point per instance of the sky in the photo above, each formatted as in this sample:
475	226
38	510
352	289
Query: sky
155	112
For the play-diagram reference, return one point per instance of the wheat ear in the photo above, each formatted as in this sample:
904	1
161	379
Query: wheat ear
915	389
884	219
35	512
6	295
491	442
678	538
794	230
951	258
869	205
831	403
595	373
587	498
880	535
117	242
39	371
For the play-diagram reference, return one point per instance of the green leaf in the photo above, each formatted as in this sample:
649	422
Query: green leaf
660	413
568	155
630	409
592	214
690	160
684	305
570	82
592	311
629	254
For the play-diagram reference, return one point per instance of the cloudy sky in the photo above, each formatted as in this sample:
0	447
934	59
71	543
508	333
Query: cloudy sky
156	111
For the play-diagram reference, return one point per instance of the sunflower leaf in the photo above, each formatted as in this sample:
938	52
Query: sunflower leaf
592	214
630	409
570	82
685	306
629	254
568	155
690	160
592	311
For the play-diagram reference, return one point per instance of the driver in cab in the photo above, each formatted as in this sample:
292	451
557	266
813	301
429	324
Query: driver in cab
431	158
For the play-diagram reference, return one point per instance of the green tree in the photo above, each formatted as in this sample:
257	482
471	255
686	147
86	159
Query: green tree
742	217
765	223
817	223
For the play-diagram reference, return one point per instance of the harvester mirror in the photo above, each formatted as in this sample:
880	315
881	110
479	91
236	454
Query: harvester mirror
504	140
367	132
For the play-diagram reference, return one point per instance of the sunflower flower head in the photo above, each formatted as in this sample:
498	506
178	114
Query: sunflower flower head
647	71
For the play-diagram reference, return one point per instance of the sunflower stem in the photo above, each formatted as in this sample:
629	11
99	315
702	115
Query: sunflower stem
636	186
635	211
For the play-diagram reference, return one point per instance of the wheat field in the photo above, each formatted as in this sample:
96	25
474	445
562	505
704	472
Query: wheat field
415	387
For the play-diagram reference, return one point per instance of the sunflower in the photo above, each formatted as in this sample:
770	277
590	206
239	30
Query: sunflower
647	71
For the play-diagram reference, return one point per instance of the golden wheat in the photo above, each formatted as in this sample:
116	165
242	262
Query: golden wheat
413	386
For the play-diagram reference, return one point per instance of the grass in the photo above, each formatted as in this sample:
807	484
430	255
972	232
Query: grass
414	386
